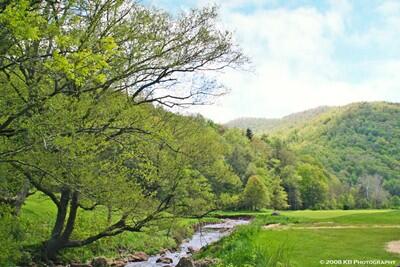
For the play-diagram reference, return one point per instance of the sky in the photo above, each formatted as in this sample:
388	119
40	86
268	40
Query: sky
304	54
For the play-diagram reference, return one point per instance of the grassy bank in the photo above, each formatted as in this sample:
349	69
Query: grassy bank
310	238
37	219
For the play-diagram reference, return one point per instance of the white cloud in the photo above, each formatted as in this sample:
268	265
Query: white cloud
294	57
293	53
389	8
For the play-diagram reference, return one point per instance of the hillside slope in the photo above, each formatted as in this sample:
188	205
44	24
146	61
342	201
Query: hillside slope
350	141
354	140
265	125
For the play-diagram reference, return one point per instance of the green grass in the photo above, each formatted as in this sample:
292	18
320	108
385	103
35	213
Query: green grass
309	247
324	214
290	246
249	246
38	216
389	217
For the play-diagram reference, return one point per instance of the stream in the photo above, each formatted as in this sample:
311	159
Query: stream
204	236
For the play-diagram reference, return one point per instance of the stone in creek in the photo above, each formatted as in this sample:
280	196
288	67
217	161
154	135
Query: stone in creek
163	252
185	262
191	250
118	263
165	260
138	256
100	262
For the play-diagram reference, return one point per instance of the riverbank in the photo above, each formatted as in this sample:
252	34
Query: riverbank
36	220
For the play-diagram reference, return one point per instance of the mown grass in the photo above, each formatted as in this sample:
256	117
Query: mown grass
39	213
325	214
252	245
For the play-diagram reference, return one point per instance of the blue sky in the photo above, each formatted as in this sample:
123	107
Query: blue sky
305	54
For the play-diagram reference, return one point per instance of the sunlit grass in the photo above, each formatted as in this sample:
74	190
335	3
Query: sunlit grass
254	246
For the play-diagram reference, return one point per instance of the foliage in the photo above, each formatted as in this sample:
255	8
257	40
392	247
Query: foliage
11	236
341	146
313	185
83	120
255	194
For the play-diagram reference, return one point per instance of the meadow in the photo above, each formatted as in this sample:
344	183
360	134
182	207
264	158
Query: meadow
311	238
293	238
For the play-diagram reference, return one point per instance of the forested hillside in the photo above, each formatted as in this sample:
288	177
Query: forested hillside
356	140
265	125
356	148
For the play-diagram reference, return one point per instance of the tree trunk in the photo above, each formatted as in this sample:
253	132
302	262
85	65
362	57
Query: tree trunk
55	243
21	196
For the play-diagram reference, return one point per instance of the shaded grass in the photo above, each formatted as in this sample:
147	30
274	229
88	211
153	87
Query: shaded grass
38	217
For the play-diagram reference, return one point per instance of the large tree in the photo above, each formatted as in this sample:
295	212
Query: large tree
77	82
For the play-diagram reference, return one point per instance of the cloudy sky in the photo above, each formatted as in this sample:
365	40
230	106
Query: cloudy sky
306	54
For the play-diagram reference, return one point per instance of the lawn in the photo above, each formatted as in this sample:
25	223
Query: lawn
298	241
325	214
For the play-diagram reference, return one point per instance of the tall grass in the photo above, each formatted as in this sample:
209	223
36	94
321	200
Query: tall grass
239	250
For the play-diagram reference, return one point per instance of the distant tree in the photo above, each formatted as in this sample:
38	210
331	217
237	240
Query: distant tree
370	188
279	198
314	188
291	183
253	169
393	186
281	155
255	195
239	154
395	202
249	134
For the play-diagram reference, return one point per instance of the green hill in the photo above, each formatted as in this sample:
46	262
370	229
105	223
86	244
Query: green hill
349	141
264	125
354	140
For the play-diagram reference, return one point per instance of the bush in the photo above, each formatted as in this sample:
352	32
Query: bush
10	236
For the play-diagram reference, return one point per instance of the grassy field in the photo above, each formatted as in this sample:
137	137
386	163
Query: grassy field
311	238
300	238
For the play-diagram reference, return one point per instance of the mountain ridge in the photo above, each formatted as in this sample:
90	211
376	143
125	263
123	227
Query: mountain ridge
267	125
260	125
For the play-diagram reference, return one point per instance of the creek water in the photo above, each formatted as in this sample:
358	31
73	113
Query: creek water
204	236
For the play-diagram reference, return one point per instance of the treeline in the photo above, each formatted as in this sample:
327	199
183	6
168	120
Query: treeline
344	157
360	145
275	173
